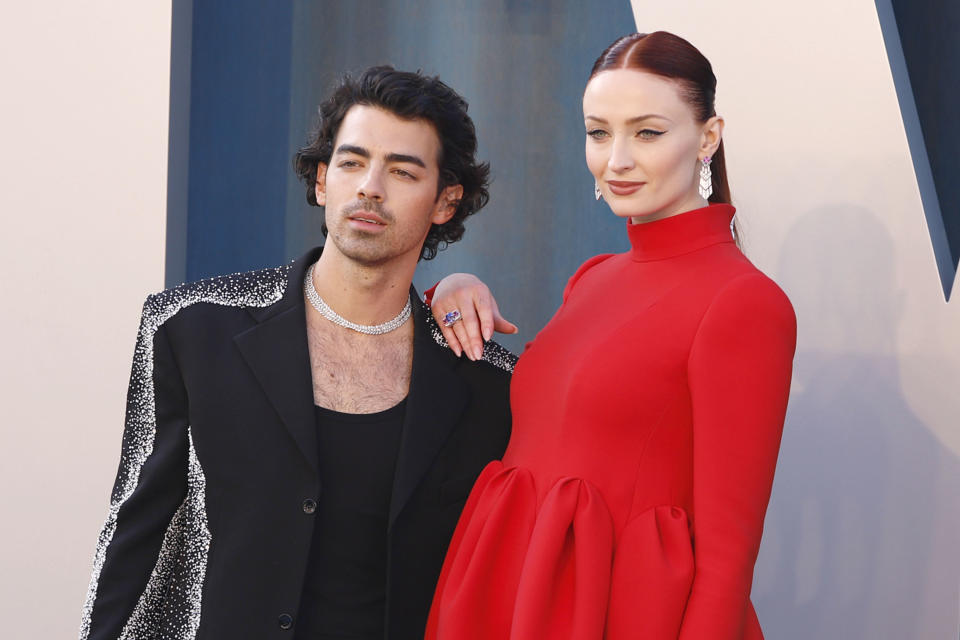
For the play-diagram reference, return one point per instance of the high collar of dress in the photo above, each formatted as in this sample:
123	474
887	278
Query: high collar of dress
681	233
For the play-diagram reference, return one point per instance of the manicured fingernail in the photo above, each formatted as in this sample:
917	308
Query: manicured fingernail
487	334
457	351
478	353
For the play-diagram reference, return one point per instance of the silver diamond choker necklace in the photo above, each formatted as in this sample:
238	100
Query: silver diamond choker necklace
324	309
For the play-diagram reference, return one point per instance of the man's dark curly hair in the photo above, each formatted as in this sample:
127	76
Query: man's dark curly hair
411	96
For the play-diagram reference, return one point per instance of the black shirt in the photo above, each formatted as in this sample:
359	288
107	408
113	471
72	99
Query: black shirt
344	591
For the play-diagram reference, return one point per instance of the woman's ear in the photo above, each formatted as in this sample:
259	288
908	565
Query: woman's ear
711	135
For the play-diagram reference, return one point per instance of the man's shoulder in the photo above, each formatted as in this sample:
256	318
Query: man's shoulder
494	354
250	289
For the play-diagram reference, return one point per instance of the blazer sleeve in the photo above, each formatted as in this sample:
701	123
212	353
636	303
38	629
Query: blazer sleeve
739	369
150	485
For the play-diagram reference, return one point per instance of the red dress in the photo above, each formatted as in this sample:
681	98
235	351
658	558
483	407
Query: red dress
647	419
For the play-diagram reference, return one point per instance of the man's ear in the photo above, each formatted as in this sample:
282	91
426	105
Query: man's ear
447	204
320	188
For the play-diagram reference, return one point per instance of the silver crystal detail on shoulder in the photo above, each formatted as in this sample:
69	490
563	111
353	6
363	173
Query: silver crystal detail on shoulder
187	538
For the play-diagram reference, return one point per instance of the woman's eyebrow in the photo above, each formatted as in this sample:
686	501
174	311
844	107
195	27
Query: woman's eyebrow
631	120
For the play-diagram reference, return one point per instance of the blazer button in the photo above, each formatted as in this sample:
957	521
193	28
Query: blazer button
285	620
309	506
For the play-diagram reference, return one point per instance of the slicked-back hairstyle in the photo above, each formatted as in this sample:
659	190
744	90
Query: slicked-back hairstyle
411	96
670	56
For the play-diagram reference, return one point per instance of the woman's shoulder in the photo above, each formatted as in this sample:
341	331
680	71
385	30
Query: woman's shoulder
748	291
582	269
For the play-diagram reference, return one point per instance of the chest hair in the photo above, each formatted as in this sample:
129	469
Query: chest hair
358	373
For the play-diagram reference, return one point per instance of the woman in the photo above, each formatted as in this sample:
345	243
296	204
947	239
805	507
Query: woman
648	412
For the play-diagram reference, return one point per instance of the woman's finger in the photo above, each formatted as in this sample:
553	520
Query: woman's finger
452	340
461	331
500	323
470	325
484	304
448	333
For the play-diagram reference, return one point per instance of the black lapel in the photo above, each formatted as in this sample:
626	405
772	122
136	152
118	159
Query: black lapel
277	353
435	403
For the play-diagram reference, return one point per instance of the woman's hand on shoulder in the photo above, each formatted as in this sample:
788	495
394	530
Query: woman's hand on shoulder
479	314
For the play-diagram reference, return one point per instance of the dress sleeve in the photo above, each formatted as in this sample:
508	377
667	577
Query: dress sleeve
428	294
150	486
582	269
739	371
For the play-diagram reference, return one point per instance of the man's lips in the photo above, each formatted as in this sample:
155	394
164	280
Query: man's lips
624	187
366	216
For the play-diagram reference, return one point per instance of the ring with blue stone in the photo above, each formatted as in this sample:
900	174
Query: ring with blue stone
451	318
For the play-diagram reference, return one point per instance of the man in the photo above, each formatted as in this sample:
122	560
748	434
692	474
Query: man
299	442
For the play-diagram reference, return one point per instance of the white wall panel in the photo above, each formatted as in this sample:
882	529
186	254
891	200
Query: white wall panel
83	168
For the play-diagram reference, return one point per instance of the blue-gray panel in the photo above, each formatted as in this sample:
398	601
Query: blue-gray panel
924	52
178	148
258	70
238	127
522	66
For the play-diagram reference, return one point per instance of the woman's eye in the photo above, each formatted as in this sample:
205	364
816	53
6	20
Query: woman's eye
596	134
649	134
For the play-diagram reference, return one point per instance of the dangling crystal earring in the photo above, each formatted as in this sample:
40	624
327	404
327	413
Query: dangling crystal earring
596	189
706	179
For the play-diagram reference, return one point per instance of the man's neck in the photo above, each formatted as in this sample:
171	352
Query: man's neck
360	293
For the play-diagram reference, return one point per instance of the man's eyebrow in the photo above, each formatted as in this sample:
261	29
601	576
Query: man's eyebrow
403	157
355	150
391	157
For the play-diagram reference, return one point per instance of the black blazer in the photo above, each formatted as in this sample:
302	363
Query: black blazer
211	515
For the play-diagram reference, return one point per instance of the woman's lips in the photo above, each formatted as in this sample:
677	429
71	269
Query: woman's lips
623	188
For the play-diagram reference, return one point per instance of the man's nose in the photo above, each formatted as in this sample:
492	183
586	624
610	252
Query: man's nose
371	186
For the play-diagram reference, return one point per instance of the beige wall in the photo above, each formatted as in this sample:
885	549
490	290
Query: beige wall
83	167
862	534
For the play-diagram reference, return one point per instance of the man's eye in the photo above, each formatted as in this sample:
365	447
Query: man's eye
649	134
349	163
403	173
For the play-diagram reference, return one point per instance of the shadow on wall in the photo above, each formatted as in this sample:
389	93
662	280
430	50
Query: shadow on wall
861	534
